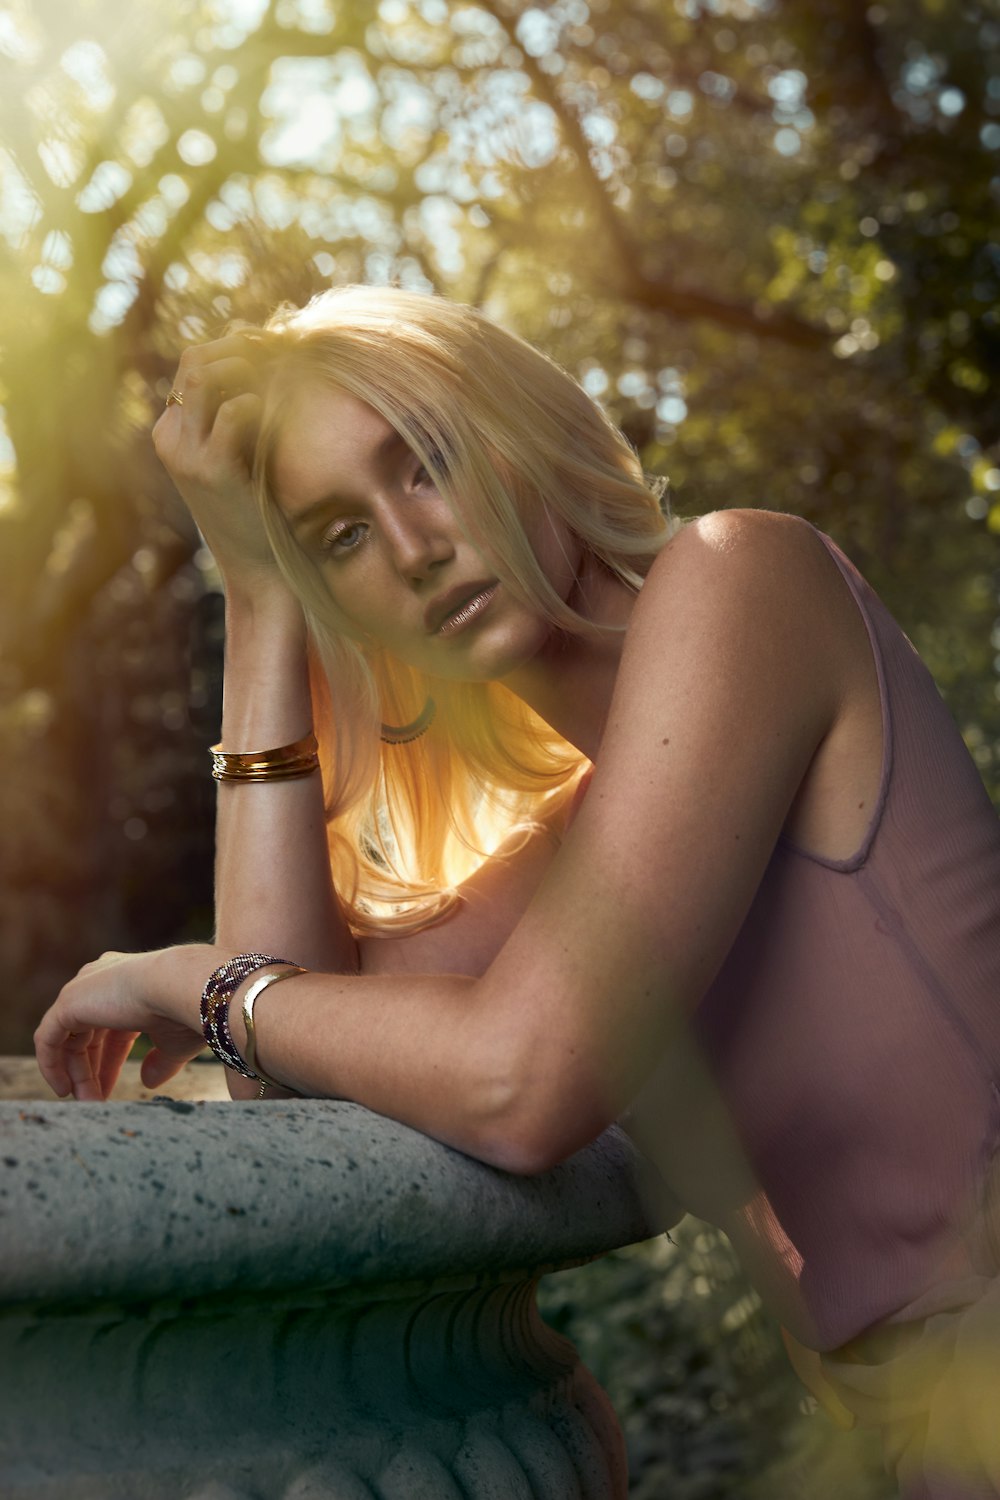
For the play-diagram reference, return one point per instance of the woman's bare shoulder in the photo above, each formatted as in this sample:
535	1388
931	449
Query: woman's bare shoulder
736	579
773	540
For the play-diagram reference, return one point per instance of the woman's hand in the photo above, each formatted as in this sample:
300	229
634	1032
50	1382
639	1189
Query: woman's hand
86	1035
206	445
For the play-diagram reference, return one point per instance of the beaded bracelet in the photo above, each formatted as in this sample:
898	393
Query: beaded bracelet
215	999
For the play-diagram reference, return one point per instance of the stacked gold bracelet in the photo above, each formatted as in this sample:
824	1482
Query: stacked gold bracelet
300	759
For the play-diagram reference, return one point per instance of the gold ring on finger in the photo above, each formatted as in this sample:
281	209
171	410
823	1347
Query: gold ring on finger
174	399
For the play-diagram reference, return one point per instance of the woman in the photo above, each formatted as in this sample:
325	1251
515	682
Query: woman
785	866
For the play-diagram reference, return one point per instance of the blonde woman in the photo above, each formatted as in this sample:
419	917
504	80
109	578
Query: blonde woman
767	928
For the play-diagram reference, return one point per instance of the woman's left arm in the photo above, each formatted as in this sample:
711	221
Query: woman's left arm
727	686
732	674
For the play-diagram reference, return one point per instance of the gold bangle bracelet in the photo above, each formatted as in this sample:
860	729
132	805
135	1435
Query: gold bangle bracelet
249	1001
286	772
298	759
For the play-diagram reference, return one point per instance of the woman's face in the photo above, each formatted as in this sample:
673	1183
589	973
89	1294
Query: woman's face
395	560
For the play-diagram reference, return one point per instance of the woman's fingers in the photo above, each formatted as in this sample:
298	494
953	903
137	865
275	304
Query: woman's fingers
86	1063
206	390
206	445
158	1068
236	424
55	1076
159	1065
231	344
72	1037
201	357
184	428
81	1059
86	1034
225	359
117	1046
50	1037
206	441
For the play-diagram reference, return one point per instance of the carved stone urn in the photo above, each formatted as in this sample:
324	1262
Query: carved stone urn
288	1300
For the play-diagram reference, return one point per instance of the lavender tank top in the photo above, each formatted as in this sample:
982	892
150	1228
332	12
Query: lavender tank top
854	1032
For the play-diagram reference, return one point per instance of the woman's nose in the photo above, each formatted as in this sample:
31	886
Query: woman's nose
421	540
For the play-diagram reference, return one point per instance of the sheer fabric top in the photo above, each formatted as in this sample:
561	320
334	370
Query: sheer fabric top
854	1034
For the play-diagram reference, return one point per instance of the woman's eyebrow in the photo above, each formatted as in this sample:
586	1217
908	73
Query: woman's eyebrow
391	443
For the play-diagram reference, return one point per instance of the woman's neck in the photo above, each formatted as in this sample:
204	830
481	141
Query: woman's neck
571	680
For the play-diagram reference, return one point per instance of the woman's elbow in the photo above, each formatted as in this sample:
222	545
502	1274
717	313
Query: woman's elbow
536	1139
547	1101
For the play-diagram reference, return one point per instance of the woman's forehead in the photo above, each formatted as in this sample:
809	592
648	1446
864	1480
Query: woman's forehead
317	405
326	433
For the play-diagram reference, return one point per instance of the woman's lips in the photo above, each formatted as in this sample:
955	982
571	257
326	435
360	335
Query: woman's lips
467	612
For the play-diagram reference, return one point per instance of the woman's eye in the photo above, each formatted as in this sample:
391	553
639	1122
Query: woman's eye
423	476
346	538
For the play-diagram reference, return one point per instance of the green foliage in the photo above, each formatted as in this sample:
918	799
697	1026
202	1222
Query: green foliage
697	1373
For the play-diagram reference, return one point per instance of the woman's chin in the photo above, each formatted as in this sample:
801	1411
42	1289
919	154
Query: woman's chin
485	651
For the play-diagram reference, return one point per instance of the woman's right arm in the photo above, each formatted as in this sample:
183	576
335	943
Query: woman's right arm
273	887
274	891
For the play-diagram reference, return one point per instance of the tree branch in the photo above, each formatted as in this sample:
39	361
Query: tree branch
683	303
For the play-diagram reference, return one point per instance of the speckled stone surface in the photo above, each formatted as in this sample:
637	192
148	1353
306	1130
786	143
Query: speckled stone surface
281	1194
287	1300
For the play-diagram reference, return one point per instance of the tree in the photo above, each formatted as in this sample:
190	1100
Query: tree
759	231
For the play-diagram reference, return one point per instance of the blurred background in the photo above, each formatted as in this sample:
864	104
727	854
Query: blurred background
765	233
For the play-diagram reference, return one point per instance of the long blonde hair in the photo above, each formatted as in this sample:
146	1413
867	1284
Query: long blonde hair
503	431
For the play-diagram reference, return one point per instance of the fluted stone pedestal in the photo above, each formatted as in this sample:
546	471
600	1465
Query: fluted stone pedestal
290	1300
